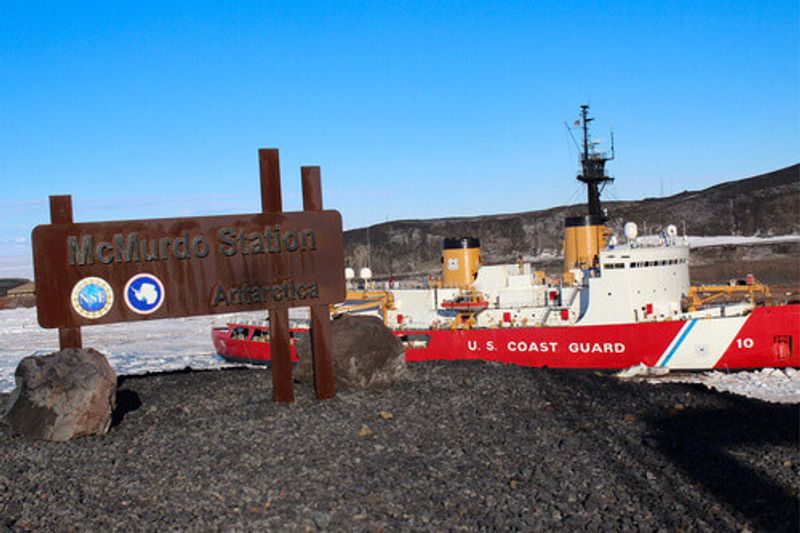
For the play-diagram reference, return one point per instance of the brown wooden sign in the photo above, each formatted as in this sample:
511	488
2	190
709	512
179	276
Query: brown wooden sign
98	273
102	272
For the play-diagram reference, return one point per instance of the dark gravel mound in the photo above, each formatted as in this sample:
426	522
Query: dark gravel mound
469	446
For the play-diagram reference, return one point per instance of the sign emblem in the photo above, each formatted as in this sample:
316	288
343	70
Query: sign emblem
92	297
144	294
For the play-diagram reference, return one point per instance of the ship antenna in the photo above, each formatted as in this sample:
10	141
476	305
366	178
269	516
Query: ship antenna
593	166
586	119
612	146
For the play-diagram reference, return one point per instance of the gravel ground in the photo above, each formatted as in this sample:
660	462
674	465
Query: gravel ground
457	446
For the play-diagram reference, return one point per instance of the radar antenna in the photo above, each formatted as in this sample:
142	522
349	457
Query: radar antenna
593	168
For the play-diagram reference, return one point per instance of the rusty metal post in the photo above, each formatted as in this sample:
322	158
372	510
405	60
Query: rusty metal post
321	345
61	213
280	342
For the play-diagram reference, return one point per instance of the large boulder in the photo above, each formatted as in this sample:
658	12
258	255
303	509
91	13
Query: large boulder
366	355
62	395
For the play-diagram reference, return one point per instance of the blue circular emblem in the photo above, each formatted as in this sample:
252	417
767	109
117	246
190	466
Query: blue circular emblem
144	294
92	297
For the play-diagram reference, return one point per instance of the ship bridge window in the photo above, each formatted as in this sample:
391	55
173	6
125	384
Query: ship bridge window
240	333
647	264
612	266
260	335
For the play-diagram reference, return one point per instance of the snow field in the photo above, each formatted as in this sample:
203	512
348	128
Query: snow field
131	348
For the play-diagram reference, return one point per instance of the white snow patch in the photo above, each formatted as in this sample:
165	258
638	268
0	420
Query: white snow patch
693	241
641	370
700	242
777	385
720	240
131	348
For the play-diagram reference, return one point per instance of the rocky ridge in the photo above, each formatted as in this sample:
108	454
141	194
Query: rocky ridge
764	205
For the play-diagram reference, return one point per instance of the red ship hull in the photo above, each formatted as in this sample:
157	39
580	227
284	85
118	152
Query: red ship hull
767	337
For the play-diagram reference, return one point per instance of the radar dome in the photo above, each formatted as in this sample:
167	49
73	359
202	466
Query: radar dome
365	273
631	230
672	231
349	273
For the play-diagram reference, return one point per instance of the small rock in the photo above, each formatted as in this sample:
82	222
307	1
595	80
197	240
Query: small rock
630	419
514	483
63	395
386	415
322	520
787	463
365	353
679	407
365	431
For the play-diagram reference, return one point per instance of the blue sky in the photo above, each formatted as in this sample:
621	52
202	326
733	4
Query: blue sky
413	109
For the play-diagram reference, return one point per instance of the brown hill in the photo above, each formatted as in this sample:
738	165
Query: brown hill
768	204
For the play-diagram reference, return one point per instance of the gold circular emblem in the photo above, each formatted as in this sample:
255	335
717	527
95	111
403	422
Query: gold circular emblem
92	297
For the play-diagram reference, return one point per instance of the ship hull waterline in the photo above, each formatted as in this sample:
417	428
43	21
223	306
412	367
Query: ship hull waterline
765	338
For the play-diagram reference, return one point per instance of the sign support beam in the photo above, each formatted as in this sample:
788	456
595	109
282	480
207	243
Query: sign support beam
322	360
61	213
280	342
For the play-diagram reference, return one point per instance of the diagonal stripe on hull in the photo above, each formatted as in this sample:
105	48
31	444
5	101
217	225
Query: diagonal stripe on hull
702	343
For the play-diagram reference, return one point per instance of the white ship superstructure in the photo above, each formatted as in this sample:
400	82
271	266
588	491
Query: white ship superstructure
631	283
604	281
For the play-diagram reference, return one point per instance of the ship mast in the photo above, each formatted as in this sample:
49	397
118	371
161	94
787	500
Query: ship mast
593	167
